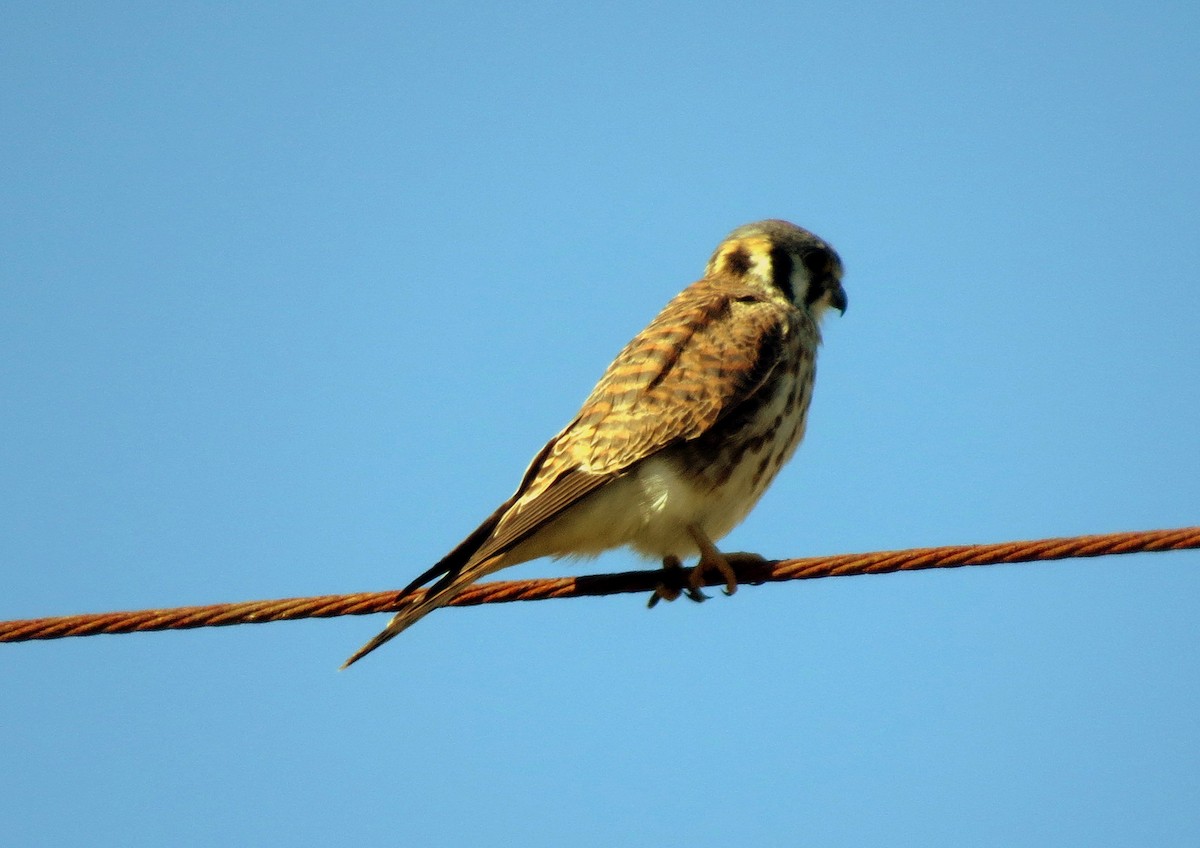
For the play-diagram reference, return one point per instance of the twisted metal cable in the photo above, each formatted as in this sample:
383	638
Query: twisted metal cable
504	591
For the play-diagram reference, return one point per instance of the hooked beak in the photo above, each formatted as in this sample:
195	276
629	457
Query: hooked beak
837	298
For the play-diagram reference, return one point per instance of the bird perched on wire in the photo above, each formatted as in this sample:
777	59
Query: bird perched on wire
681	436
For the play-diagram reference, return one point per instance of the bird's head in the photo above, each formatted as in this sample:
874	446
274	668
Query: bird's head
787	261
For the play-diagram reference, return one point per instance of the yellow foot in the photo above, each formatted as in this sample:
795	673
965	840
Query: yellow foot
676	581
713	560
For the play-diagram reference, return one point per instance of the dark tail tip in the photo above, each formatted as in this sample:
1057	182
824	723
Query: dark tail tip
387	634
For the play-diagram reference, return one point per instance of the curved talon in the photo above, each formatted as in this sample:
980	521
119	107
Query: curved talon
680	581
741	559
673	584
719	564
712	559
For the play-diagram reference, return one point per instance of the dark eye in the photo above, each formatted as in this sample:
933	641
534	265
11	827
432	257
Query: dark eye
817	261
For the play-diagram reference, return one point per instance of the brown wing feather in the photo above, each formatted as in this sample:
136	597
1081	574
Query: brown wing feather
709	350
707	353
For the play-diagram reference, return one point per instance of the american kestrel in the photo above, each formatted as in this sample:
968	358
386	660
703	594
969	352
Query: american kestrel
683	433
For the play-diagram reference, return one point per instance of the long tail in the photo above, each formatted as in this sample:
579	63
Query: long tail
454	572
437	595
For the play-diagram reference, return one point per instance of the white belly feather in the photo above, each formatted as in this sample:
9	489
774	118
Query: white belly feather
651	508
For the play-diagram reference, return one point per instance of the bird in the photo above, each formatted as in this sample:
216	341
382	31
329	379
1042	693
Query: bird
680	437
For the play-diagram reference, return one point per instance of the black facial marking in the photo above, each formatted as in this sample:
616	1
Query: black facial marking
817	261
781	271
738	262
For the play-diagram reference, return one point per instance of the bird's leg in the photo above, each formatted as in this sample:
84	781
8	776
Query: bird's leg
713	560
676	581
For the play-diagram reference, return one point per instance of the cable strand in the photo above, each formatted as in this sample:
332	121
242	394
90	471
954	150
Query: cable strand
506	591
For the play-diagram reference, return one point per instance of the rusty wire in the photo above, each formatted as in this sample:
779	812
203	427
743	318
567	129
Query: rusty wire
504	591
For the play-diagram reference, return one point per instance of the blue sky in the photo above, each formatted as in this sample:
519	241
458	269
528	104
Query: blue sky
291	293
